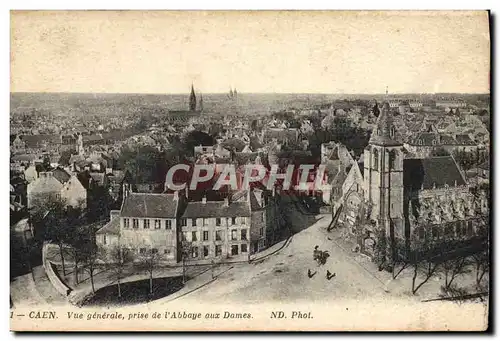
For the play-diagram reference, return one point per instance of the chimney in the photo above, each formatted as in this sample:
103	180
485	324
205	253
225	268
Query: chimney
204	200
114	214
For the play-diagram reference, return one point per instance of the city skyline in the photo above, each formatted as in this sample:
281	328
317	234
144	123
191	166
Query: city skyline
356	53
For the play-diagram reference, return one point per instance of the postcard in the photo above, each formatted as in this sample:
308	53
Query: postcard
250	171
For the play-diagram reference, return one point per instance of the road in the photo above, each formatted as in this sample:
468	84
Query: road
284	277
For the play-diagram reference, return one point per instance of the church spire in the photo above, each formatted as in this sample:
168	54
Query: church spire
201	102
192	100
385	132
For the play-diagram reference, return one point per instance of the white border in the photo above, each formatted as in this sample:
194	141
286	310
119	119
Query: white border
191	4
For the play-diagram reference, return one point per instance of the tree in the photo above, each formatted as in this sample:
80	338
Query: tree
379	256
50	214
235	145
423	259
481	264
254	125
195	138
145	164
91	256
149	262
400	256
120	258
77	240
185	251
451	268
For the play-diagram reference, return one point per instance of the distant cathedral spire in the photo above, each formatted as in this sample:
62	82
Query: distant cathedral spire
201	102
192	100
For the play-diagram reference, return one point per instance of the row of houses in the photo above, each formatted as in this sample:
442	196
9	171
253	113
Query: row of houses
176	229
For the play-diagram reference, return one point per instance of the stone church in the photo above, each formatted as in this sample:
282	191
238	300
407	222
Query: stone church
403	196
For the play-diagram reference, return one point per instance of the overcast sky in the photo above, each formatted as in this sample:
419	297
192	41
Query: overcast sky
284	52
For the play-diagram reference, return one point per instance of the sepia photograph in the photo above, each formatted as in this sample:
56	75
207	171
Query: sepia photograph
250	170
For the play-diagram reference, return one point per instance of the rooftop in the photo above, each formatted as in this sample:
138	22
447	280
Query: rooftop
149	205
429	173
216	209
112	227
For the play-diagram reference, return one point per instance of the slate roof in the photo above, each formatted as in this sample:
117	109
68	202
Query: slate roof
216	209
112	227
61	175
429	172
149	205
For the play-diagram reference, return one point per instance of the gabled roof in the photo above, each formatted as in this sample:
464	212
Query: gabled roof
431	172
216	209
149	205
112	227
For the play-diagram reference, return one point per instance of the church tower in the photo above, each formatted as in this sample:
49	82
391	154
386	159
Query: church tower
192	100
383	175
201	103
79	145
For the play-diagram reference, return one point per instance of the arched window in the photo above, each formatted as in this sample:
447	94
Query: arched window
375	158
392	159
393	131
